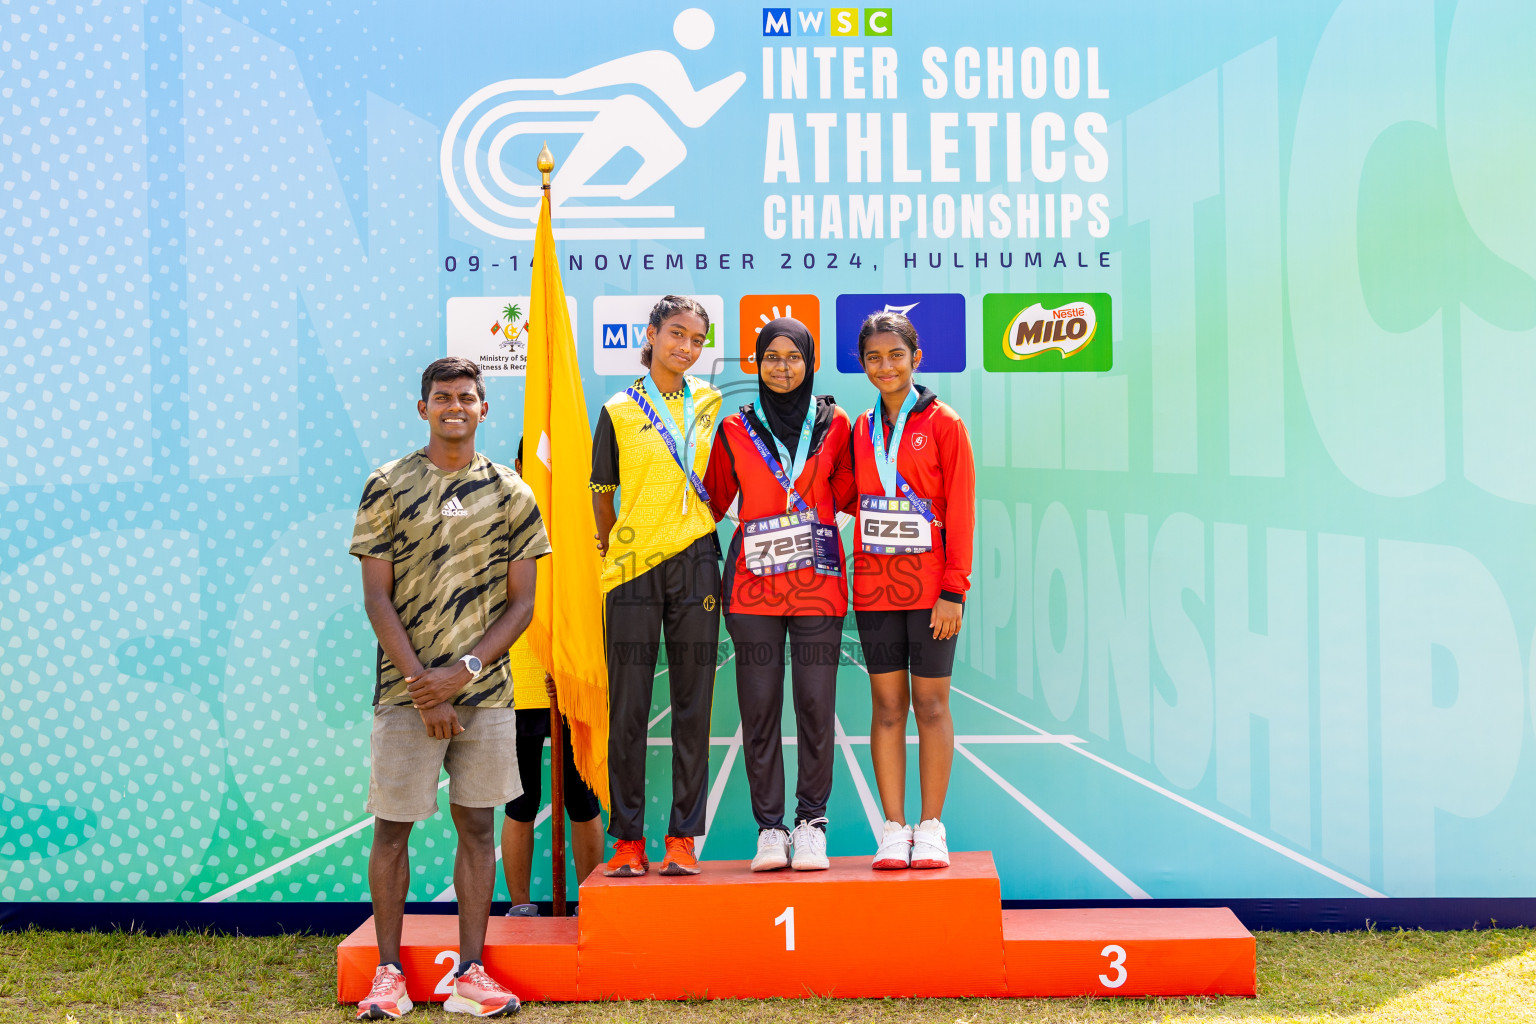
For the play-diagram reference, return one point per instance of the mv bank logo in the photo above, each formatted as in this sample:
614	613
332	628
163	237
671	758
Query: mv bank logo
619	323
827	21
644	103
1047	332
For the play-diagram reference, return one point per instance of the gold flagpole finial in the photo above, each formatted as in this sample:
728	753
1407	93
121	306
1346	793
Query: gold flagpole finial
546	163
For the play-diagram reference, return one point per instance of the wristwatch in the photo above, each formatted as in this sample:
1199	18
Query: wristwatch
473	664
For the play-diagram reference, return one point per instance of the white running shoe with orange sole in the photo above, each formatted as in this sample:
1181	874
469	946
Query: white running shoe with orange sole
480	995
386	1000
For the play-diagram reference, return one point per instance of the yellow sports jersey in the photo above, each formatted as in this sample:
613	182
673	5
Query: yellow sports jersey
528	691
659	513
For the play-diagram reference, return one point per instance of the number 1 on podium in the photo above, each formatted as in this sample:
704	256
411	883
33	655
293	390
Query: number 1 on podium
787	919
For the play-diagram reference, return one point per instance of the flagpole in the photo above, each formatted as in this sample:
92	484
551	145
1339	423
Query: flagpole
546	165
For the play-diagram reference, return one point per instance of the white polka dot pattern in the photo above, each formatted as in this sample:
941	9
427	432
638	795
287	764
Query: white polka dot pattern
75	317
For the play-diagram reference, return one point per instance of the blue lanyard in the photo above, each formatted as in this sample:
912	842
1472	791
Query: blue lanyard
890	478
885	459
680	442
776	466
670	436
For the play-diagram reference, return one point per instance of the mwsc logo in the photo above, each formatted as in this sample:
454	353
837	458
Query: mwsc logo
598	106
1047	332
820	21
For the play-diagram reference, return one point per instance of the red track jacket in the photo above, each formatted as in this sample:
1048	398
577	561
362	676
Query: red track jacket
935	459
735	467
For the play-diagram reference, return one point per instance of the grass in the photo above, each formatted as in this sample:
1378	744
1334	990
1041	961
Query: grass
189	978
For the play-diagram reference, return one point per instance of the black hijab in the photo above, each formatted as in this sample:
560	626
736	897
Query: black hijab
785	413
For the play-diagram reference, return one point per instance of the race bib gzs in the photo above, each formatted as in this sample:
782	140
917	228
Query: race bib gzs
893	526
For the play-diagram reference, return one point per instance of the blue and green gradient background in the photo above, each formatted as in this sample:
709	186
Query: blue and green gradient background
1252	612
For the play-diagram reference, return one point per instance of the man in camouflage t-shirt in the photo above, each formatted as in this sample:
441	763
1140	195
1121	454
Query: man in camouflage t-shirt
448	541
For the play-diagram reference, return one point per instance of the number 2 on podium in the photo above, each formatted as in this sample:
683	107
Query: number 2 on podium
445	984
787	919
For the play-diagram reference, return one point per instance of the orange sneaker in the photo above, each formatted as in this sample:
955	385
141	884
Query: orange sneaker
386	1000
628	859
679	859
480	995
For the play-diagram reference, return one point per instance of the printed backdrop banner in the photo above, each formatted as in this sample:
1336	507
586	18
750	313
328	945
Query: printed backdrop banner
1238	303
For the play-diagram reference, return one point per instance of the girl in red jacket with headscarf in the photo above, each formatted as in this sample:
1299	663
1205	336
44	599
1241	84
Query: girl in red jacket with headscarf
787	457
916	508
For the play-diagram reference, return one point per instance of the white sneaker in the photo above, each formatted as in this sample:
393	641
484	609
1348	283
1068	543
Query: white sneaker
810	846
772	850
895	848
930	847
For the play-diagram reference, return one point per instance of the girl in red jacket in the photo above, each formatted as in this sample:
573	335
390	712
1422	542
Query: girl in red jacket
788	458
916	508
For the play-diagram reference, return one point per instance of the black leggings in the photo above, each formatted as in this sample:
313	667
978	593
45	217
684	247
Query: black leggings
815	644
532	730
680	595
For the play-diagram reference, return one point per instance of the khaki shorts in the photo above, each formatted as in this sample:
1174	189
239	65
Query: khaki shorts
407	763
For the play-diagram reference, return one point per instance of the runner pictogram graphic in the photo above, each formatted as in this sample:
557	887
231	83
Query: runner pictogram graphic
490	120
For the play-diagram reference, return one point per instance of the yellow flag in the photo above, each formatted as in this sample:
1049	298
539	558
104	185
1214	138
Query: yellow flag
567	627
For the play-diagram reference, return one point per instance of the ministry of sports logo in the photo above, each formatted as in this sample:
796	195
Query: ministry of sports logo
492	331
484	140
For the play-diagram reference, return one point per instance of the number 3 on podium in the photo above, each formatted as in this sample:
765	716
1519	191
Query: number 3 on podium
1116	956
787	919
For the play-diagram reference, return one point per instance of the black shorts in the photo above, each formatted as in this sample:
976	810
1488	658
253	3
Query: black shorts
532	730
902	641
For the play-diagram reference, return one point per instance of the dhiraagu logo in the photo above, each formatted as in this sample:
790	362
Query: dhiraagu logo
1047	332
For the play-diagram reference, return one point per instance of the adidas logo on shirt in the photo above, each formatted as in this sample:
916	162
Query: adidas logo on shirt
453	507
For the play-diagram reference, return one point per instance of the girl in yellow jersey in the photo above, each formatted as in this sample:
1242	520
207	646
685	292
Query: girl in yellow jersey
661	568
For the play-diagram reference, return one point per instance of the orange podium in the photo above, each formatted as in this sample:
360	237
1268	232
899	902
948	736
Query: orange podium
840	932
1132	952
730	933
534	956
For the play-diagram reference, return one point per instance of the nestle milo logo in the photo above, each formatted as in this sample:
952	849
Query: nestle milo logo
1047	332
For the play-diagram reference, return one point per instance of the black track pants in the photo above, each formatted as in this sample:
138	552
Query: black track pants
681	594
814	644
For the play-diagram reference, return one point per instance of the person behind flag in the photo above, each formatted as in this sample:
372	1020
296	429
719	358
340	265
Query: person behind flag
788	459
532	689
447	540
916	508
661	569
